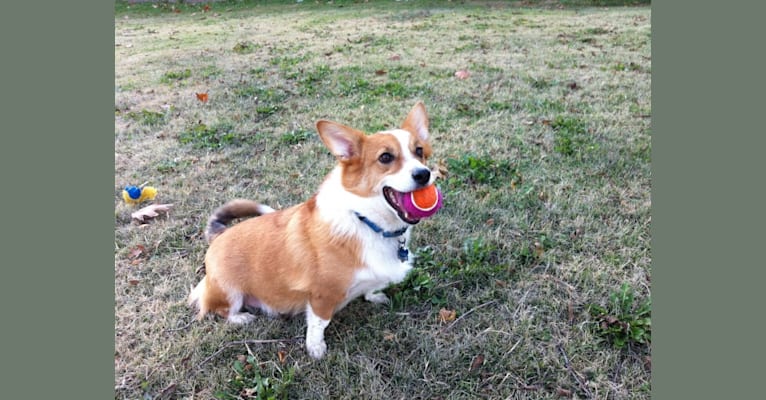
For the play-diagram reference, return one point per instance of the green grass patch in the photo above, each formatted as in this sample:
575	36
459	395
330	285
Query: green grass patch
254	380
175	76
146	117
471	170
571	137
245	47
624	320
296	136
212	137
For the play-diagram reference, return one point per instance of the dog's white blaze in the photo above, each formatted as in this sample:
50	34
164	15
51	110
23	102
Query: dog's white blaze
402	180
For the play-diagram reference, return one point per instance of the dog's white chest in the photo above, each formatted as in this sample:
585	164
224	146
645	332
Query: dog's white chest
382	268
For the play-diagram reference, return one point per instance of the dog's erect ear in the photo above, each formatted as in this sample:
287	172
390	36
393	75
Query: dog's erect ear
417	122
344	142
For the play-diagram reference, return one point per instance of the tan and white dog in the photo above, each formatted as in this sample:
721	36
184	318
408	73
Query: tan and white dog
349	239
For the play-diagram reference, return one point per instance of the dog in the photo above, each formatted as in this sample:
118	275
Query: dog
349	239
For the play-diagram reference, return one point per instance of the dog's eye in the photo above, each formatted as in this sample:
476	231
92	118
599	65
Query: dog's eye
419	152
386	158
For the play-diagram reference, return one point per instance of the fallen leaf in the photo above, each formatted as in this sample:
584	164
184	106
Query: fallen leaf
380	72
446	315
133	282
573	86
477	362
201	97
167	393
395	57
150	212
206	8
389	337
441	169
282	355
136	251
462	74
561	392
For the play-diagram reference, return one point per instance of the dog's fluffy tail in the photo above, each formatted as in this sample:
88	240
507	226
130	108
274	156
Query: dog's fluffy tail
219	221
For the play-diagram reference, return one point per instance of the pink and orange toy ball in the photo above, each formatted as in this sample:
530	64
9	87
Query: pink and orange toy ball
423	203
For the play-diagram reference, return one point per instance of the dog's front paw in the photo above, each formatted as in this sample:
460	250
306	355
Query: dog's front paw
316	349
377	298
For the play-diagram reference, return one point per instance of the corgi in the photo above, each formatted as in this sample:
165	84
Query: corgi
349	239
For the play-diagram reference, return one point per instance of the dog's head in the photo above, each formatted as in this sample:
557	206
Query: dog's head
385	165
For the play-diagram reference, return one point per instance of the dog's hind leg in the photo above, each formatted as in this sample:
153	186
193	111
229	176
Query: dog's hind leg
236	316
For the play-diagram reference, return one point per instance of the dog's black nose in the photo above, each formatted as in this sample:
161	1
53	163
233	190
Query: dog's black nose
421	176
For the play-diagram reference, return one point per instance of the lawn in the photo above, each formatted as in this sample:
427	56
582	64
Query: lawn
533	281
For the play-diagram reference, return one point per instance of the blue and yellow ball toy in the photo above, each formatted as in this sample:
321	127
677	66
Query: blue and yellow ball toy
138	194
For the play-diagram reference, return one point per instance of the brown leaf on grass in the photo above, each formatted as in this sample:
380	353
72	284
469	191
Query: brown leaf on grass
477	362
167	393
380	72
441	170
462	74
395	57
282	355
561	392
446	315
136	251
202	97
150	211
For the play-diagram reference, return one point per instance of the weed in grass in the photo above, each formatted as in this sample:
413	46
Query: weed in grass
175	76
313	81
419	287
480	170
250	382
171	166
245	47
544	106
146	117
210	71
623	320
571	136
202	136
476	264
296	136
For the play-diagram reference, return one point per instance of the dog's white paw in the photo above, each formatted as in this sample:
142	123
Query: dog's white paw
240	318
316	349
377	298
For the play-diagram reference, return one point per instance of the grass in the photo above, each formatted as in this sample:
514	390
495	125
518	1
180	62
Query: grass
533	281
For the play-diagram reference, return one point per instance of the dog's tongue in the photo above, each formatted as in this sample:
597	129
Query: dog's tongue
397	200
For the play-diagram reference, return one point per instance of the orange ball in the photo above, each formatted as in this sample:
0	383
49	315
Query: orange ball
425	198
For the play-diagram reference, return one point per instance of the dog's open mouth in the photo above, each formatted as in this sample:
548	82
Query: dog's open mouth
394	199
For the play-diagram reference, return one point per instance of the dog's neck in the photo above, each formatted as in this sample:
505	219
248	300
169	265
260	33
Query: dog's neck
339	207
